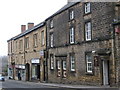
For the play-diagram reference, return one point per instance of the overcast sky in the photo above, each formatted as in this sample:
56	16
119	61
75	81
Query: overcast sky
14	13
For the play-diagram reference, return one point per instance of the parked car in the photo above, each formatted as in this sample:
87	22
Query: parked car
2	77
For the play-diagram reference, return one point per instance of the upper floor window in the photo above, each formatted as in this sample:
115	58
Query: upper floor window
72	37
51	40
72	62
88	31
27	42
51	24
71	14
35	40
21	44
87	7
89	62
16	46
42	38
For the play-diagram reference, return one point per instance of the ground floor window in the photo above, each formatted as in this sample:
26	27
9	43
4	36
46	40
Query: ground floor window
72	62
89	62
34	71
51	61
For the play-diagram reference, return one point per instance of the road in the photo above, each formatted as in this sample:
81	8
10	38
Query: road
21	85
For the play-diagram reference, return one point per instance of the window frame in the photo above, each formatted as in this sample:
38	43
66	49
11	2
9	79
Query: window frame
51	40
71	14
88	31
89	62
64	63
87	7
58	64
27	42
51	62
42	38
21	44
35	40
72	62
51	24
72	35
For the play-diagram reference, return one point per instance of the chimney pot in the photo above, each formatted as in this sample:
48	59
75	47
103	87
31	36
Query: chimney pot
23	28
30	25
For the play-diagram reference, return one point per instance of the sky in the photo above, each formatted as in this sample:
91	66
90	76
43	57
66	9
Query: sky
14	13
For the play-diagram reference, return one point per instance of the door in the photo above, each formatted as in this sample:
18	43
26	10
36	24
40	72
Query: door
105	73
27	72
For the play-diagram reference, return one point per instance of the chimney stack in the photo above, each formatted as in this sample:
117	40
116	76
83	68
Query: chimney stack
30	25
23	28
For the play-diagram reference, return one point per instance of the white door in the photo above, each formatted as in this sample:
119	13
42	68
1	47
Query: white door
105	72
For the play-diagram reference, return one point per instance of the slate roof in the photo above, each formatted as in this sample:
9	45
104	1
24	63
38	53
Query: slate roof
43	23
63	9
28	31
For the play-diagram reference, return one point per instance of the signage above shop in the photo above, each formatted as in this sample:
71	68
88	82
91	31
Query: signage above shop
20	66
35	60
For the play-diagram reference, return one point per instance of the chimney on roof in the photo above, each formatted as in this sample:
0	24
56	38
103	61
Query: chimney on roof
30	25
23	28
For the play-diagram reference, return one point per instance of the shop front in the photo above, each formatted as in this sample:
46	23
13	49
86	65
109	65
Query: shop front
10	72
20	72
35	69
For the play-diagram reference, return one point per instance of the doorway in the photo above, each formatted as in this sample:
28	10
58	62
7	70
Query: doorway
105	72
27	72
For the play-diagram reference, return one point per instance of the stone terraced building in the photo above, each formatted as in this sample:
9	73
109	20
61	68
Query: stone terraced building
81	46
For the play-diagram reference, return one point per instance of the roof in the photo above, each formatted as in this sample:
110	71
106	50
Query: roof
28	31
68	5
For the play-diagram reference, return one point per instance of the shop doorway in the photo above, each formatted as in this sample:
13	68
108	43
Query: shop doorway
27	72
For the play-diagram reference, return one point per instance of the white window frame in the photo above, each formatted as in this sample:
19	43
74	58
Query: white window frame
87	7
71	15
64	65
88	31
89	63
72	62
51	62
51	24
51	40
72	36
58	64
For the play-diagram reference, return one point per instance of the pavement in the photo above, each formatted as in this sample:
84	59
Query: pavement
83	87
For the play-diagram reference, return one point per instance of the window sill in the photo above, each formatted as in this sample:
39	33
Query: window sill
86	13
70	20
89	73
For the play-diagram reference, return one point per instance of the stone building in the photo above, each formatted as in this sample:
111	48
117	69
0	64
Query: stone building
81	44
26	53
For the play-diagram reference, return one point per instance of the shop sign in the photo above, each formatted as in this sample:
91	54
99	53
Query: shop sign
20	66
35	61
